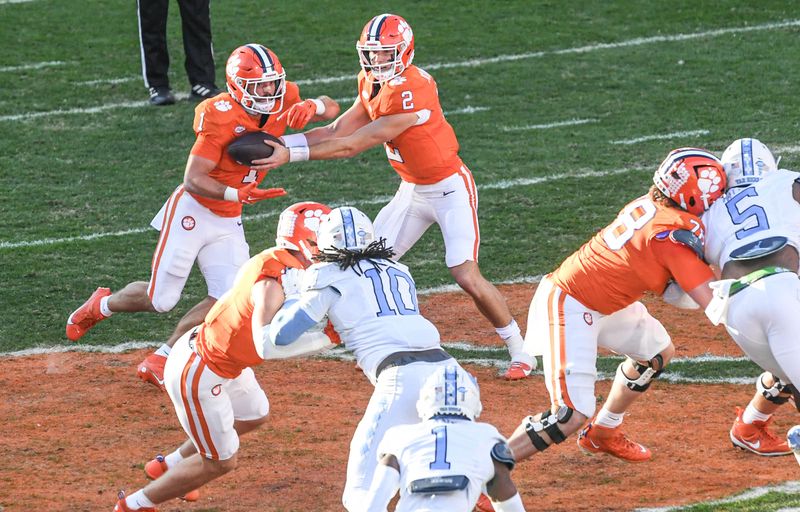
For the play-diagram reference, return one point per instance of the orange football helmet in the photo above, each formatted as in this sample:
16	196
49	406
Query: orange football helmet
298	226
692	177
248	67
386	32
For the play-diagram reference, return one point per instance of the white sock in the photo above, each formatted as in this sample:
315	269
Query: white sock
606	418
138	500
508	331
104	306
164	350
752	414
173	458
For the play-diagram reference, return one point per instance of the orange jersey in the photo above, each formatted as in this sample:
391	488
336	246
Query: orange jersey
225	339
217	121
427	152
632	255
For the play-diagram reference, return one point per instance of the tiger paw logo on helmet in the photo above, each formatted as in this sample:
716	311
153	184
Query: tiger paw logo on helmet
709	181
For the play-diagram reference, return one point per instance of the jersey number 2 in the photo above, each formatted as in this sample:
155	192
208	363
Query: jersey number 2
379	287
440	458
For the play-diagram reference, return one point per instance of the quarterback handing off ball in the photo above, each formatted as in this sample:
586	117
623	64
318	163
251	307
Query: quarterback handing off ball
250	146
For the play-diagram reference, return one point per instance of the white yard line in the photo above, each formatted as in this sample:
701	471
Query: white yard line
674	135
34	65
792	487
4	2
467	63
375	200
547	126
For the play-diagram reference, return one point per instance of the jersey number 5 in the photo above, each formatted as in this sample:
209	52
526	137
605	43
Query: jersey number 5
379	287
738	218
633	217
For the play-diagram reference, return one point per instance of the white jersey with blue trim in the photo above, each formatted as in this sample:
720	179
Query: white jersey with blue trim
439	447
748	214
374	309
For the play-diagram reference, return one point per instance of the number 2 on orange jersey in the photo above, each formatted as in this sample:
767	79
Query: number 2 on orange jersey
633	217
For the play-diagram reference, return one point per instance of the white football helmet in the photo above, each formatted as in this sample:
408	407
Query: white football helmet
345	228
450	390
745	162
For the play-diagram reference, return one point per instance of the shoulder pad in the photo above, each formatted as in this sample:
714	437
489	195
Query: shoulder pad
684	237
502	454
321	275
759	248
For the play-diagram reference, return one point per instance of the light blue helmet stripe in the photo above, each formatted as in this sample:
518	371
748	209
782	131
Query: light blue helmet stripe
349	228
450	386
747	157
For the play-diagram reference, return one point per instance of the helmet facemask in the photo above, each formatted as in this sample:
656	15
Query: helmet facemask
248	69
386	33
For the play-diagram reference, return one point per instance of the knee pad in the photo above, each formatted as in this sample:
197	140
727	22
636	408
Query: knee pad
647	372
166	300
778	393
549	424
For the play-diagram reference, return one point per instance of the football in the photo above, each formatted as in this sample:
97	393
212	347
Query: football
250	146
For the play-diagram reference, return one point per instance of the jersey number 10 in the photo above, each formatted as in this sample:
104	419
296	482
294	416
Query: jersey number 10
382	297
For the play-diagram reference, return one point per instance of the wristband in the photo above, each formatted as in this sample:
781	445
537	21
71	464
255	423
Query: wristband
294	140
231	194
320	106
298	153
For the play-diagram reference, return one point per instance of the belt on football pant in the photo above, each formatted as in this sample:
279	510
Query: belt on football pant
433	355
745	281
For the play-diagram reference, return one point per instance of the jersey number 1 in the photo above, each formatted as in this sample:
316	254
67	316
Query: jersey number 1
440	458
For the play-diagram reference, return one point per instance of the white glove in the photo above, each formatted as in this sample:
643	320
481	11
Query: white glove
717	309
292	280
675	295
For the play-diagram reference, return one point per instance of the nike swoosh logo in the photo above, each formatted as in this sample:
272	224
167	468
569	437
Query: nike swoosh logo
754	446
160	381
592	443
239	223
447	193
644	450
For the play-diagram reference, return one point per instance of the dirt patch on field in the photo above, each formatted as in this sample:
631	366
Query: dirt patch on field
76	428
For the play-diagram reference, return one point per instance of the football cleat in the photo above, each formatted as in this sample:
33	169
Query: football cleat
157	467
517	371
757	438
599	439
161	96
86	316
152	370
121	506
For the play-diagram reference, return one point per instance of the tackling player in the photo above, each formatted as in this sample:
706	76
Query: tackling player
372	303
208	374
753	237
398	106
445	461
202	220
592	300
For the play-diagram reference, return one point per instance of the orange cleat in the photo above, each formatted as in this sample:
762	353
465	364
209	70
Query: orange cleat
86	316
484	504
517	371
152	370
157	467
757	438
121	506
597	439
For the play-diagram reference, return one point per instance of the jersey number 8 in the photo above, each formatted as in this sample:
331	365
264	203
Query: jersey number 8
633	217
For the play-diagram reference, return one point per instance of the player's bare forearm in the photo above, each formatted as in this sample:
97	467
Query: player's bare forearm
346	124
197	179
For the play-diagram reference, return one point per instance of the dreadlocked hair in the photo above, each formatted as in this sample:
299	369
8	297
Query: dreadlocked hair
347	258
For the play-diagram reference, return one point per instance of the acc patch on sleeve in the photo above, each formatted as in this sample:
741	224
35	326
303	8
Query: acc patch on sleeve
502	454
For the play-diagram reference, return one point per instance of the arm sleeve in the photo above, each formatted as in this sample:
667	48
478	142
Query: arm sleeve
308	343
683	264
296	317
385	483
512	504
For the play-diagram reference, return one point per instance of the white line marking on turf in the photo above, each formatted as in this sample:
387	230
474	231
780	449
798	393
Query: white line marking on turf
662	136
375	200
3	2
792	487
557	124
505	58
34	65
112	81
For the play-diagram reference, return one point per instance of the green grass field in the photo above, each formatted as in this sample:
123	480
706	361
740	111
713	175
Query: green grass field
563	111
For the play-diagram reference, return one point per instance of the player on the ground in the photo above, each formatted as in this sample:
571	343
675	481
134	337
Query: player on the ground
398	106
208	374
445	461
372	303
592	300
753	238
201	221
